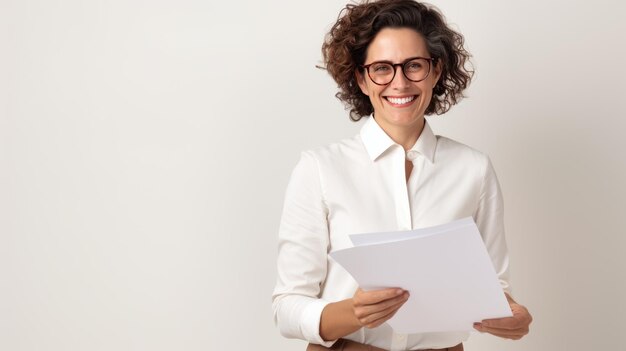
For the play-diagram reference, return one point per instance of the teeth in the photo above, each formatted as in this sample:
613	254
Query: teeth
400	101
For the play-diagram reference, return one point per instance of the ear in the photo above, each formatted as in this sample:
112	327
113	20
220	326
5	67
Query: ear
438	71
360	79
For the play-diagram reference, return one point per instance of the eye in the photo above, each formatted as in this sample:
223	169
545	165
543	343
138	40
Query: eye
414	66
381	68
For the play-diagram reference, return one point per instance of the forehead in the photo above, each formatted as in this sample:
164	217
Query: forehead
396	45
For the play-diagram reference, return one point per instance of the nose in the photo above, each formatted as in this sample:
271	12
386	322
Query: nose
399	80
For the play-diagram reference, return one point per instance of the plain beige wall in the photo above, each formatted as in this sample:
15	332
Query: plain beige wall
145	147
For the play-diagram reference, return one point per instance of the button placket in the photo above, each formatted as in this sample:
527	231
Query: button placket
399	342
403	208
413	186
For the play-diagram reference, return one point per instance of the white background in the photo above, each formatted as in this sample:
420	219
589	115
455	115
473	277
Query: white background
145	147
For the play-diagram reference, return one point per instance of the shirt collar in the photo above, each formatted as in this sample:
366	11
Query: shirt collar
376	141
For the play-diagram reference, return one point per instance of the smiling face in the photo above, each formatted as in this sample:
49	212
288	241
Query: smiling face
400	104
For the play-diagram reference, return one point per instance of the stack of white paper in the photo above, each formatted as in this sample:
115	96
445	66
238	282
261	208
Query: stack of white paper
446	269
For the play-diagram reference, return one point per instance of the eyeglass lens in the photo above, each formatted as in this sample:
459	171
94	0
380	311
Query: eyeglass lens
415	70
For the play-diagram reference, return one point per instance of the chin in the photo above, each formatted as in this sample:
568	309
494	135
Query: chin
404	120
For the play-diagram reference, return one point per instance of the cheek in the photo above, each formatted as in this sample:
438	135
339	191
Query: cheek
378	91
374	95
427	92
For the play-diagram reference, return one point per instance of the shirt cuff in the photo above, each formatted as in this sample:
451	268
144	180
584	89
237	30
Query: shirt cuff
311	323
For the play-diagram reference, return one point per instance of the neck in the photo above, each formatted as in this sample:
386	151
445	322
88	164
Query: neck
406	136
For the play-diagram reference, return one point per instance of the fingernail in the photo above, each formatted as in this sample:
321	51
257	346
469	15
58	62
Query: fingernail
399	292
477	326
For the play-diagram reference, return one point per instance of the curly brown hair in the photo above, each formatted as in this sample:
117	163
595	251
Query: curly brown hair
345	48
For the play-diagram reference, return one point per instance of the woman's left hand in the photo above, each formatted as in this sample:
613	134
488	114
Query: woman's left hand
510	327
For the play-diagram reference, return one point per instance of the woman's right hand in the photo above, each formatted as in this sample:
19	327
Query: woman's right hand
373	308
367	309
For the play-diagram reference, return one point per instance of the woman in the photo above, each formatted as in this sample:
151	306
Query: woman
396	60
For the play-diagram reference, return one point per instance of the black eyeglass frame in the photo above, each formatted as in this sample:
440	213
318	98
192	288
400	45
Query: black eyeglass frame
431	61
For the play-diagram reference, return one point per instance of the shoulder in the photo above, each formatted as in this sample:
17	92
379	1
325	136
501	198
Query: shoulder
321	165
337	153
467	163
462	159
450	150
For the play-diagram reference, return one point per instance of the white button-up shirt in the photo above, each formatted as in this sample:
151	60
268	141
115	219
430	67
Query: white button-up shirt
358	186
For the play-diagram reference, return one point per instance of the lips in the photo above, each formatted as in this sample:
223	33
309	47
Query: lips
400	100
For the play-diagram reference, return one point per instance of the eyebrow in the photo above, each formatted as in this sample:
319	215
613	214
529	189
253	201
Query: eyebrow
401	63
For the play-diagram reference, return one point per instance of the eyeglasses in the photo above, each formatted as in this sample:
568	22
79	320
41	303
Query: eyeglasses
415	69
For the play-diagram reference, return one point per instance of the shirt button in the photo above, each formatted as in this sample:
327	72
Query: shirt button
411	155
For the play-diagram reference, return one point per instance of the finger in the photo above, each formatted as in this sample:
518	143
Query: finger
375	296
366	318
363	310
510	323
503	333
521	330
383	318
521	313
381	315
521	318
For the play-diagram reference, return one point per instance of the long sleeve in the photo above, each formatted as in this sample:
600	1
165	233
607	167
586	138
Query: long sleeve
357	186
489	218
302	255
